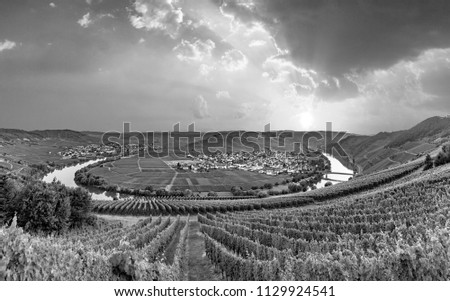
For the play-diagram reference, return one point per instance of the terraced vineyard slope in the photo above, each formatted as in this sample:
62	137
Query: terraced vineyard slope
397	234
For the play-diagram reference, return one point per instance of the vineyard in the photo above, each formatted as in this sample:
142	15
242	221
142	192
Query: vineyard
391	225
397	234
152	249
155	206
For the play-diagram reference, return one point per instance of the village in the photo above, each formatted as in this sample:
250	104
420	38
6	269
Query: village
90	151
263	162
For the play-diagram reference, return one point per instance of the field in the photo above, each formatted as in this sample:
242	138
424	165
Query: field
138	173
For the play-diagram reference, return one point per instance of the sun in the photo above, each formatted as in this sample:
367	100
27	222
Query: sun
306	120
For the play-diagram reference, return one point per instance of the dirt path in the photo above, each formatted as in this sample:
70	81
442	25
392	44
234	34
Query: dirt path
200	267
169	251
139	164
169	187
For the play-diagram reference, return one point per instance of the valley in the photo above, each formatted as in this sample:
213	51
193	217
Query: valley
368	227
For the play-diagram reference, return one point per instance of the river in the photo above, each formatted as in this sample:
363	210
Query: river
336	166
67	177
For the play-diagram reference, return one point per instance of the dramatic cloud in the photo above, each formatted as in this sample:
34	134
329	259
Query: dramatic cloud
238	12
293	63
157	15
7	45
279	69
234	60
337	37
417	83
196	51
200	108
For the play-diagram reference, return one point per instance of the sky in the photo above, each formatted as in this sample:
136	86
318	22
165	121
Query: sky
364	65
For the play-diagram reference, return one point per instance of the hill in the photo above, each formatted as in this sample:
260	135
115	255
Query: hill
431	129
36	135
384	150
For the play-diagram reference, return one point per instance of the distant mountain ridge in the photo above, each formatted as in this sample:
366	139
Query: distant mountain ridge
84	137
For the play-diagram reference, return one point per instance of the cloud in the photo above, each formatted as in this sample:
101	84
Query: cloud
336	89
257	43
338	37
223	95
196	51
234	60
244	110
205	69
200	108
7	45
85	21
241	13
279	70
52	5
300	82
402	95
157	15
88	20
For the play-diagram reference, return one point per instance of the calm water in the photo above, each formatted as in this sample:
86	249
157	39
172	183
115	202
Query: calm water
336	166
67	175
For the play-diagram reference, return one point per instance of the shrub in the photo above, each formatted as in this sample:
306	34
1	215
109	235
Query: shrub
268	186
262	194
212	193
443	157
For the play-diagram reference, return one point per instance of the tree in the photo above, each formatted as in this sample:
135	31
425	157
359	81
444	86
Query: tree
187	192
428	162
80	206
161	192
42	207
237	190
